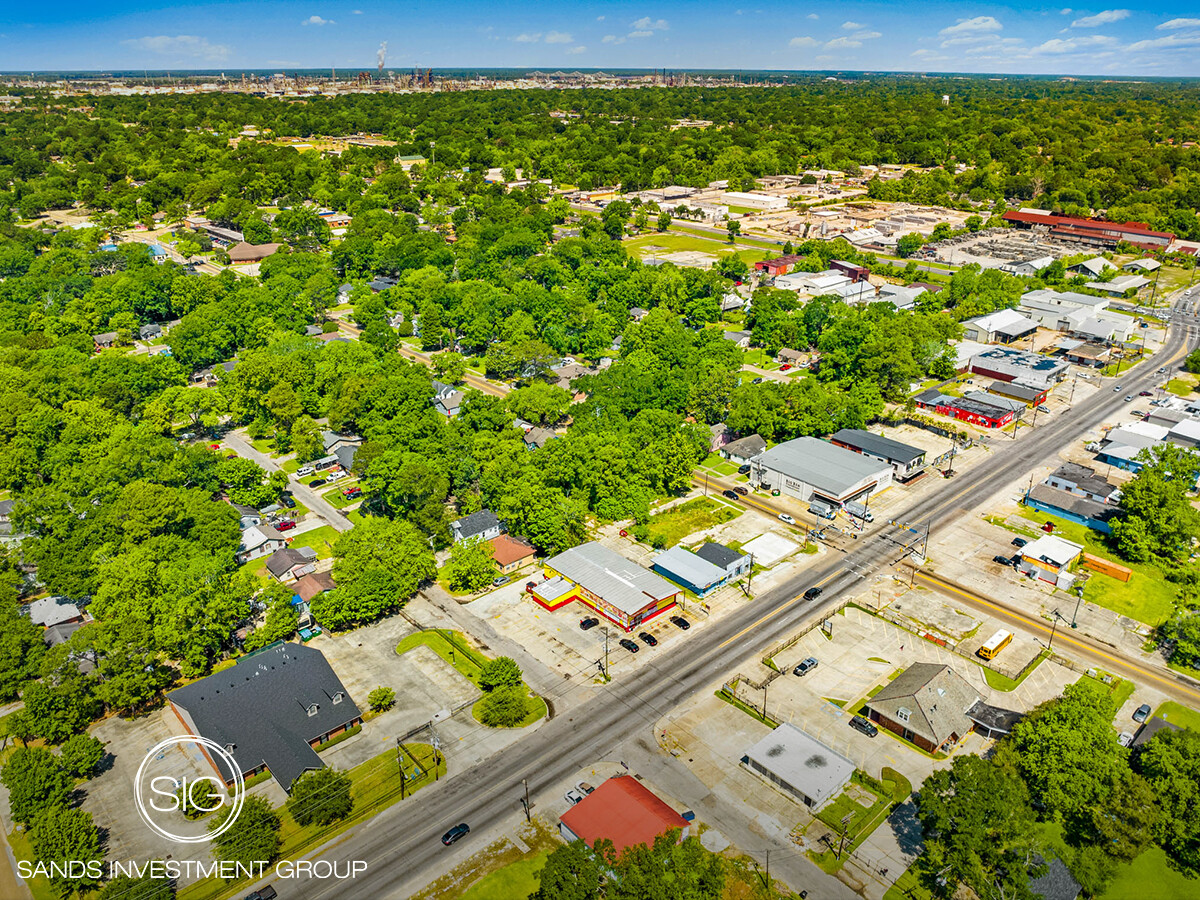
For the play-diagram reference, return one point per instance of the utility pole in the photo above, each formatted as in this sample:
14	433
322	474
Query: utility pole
766	684
1079	592
1054	628
605	651
525	799
400	766
1074	381
950	471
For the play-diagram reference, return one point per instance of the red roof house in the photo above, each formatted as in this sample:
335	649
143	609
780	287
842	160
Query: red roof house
624	811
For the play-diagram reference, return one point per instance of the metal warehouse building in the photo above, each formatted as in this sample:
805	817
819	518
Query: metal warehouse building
808	468
615	587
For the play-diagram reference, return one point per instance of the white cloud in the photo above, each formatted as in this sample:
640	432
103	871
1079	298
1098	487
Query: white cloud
972	26
1073	45
640	34
813	16
928	54
866	35
1167	42
612	39
1173	24
578	49
181	45
645	23
1065	11
317	20
357	12
803	42
599	18
558	37
843	43
528	38
1101	18
851	26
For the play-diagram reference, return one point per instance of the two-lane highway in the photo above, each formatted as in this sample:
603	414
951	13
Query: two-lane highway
403	842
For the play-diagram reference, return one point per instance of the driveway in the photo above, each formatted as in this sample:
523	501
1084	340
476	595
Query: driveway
310	498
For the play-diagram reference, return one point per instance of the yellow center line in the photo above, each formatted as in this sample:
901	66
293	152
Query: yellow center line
1064	637
772	614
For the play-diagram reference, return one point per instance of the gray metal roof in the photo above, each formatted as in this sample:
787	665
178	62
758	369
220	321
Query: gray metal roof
803	762
878	445
261	706
606	573
686	566
826	467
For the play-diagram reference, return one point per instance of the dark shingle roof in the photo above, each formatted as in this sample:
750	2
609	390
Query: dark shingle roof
279	562
477	523
751	445
878	445
1150	729
261	706
936	697
718	554
1057	884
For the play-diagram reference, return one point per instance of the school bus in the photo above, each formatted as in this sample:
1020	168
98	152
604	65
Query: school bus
995	644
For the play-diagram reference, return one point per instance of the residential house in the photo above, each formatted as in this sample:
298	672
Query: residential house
1028	266
289	563
447	400
332	441
482	525
511	553
248	514
719	437
313	331
1087	353
732	562
1092	268
381	283
51	611
927	705
536	438
150	332
6	523
345	456
789	356
739	339
637	313
315	583
1142	265
104	341
732	303
744	449
1082	481
1073	508
259	541
272	708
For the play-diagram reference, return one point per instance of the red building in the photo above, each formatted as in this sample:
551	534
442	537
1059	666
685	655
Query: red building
1094	232
854	272
966	409
780	265
624	811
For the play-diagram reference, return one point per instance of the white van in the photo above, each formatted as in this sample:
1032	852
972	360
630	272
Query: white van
858	511
304	470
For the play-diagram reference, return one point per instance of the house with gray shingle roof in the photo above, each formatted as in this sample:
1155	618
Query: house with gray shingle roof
927	705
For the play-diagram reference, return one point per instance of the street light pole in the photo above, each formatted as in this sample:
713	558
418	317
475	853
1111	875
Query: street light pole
1078	591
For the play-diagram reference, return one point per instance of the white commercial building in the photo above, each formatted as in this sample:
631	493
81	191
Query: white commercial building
808	468
800	765
753	200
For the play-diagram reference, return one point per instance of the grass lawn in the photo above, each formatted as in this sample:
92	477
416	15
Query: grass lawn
335	498
535	709
673	242
516	881
39	886
1147	596
320	539
676	524
290	466
1000	682
264	445
1149	878
1120	690
760	358
863	820
716	463
1179	715
451	646
1181	386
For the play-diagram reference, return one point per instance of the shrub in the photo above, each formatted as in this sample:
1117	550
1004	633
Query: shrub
381	699
500	672
505	707
321	796
81	755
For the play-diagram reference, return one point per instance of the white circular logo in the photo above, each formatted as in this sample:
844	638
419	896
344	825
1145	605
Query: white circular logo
180	794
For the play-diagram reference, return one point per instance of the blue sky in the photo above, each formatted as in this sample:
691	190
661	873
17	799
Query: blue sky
1017	37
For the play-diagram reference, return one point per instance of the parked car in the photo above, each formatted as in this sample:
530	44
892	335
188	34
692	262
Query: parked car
744	470
503	579
266	892
287	500
585	624
1142	713
1019	542
456	833
757	381
1125	738
681	623
1048	528
530	585
784	517
805	667
647	638
629	645
573	796
785	367
584	788
741	491
858	723
1003	560
730	494
351	492
812	593
317	482
1042	407
285	524
304	471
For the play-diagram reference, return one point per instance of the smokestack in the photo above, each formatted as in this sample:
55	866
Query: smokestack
380	56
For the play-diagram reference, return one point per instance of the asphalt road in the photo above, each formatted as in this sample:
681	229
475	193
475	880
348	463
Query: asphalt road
404	841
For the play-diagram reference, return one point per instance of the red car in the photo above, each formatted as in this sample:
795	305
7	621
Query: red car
785	367
285	525
351	492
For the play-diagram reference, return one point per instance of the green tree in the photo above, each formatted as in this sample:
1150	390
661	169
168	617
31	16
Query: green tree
909	244
1184	630
64	835
1157	518
733	228
571	872
381	699
449	366
254	836
1170	763
505	707
280	621
1192	363
502	671
36	783
320	796
539	402
62	704
979	830
470	566
664	221
81	755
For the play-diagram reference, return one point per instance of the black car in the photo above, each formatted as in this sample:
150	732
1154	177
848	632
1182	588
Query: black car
457	832
1019	542
288	501
812	593
589	622
744	470
757	381
858	723
730	494
681	623
1003	560
629	645
263	893
647	638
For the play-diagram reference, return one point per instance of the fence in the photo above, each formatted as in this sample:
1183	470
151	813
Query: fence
790	642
